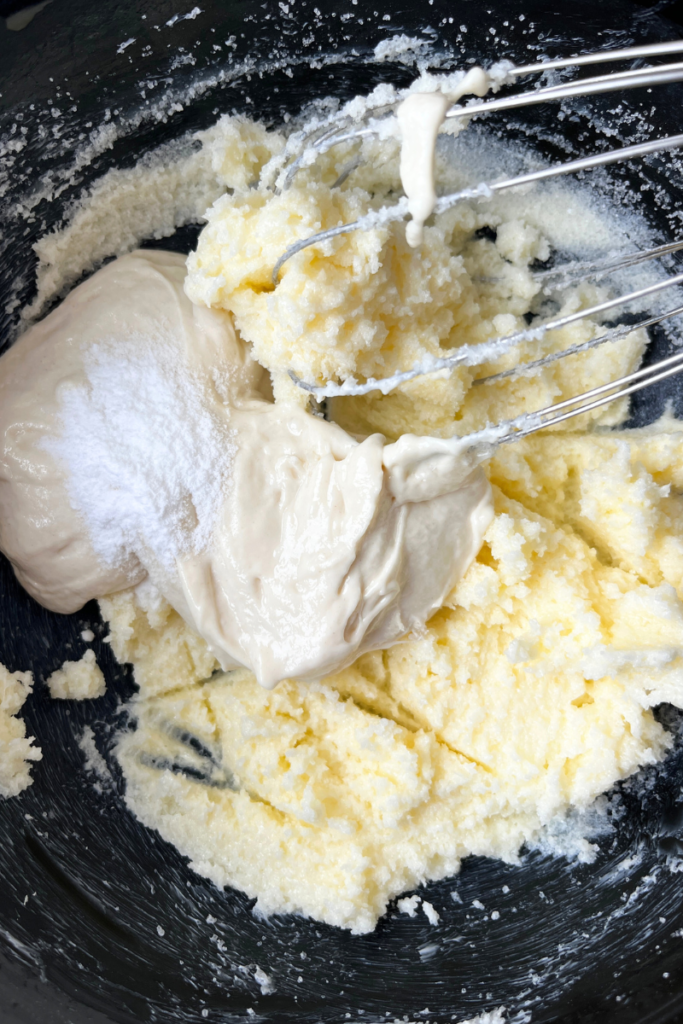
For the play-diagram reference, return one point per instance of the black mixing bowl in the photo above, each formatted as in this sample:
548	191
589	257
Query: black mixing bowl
103	911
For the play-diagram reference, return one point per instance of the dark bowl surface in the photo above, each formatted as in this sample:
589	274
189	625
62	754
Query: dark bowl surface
103	911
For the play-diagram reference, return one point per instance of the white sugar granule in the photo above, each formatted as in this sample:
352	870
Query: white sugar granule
402	48
147	458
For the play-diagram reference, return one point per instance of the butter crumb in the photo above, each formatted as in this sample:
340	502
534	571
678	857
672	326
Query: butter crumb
433	916
408	905
16	749
77	680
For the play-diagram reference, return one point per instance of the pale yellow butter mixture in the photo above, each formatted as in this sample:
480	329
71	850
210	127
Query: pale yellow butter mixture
17	749
530	692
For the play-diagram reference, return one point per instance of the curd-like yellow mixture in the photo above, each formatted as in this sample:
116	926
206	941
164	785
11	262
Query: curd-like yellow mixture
17	749
531	691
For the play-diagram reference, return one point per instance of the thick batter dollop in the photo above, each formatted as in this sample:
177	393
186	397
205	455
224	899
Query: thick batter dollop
420	117
138	439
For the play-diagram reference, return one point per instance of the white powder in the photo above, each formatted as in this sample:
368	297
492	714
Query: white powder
147	461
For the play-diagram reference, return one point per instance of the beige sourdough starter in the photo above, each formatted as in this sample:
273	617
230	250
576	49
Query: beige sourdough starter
529	691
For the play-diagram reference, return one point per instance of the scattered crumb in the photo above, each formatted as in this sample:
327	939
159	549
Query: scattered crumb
432	915
87	635
408	905
496	1016
77	680
264	981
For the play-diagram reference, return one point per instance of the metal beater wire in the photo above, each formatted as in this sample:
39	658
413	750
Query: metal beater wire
636	381
483	191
